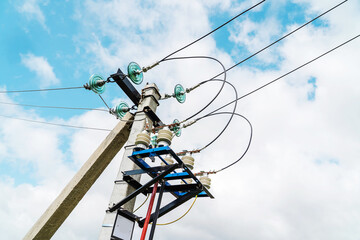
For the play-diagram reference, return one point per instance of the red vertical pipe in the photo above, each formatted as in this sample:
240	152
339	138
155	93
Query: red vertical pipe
148	214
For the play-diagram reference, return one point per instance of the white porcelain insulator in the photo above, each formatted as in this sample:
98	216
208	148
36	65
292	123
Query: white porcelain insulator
187	180
169	160
188	161
206	181
164	137
142	140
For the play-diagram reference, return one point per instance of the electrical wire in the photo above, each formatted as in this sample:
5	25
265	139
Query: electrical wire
221	88
249	143
163	224
288	73
266	47
147	197
188	45
55	124
104	101
138	120
280	39
40	90
54	107
228	122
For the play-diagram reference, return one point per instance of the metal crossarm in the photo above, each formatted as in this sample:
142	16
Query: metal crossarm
139	158
171	206
143	188
172	177
124	83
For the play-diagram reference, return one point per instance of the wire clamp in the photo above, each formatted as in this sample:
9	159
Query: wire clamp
145	69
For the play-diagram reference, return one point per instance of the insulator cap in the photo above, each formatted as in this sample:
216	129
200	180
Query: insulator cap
206	181
188	161
179	93
153	141
164	137
97	84
176	129
142	140
169	161
135	73
187	180
121	109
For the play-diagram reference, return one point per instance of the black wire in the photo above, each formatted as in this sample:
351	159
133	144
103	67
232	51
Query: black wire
283	37
284	75
56	124
225	70
227	124
211	31
222	86
250	139
40	90
55	107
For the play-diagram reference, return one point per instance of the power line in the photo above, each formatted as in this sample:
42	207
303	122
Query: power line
164	224
40	90
266	47
284	75
54	107
249	143
217	94
104	102
55	124
188	45
280	39
227	124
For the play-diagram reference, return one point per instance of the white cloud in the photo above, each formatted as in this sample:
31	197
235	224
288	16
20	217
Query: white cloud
43	70
254	35
300	177
32	10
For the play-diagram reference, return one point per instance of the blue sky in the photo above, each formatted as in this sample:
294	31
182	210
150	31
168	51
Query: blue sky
306	126
58	36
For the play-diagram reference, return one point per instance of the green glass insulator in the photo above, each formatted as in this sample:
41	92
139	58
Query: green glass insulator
176	129
97	84
121	109
154	140
135	73
179	93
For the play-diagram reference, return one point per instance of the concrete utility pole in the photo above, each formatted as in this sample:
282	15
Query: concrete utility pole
150	97
71	195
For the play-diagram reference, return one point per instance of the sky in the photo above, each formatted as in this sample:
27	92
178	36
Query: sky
301	176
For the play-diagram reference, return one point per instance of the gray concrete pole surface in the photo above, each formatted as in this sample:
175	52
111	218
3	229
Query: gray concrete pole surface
150	97
74	191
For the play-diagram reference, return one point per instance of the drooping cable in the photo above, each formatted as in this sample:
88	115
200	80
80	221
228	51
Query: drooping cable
55	124
250	138
228	122
147	197
222	25
40	90
284	75
280	39
221	88
54	107
163	224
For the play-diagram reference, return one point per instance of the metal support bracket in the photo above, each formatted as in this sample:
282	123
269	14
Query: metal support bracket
170	177
124	83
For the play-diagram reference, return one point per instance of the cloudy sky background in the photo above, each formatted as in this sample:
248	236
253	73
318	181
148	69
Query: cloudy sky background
301	177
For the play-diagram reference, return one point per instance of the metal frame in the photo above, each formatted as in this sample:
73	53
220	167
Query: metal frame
124	83
162	174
